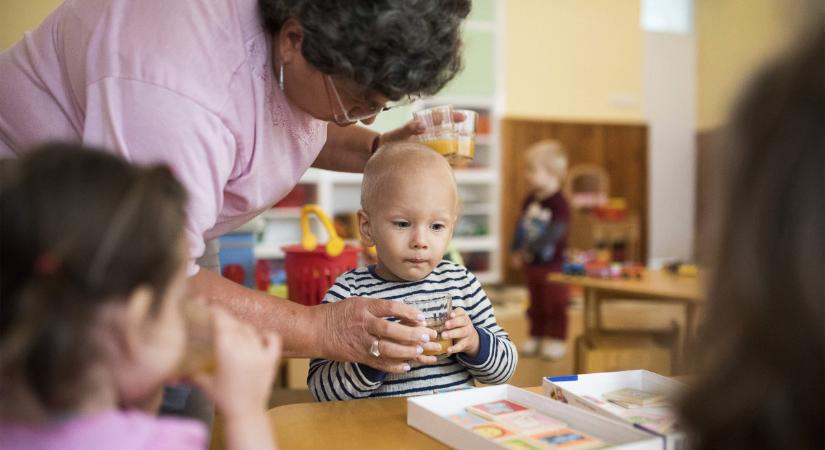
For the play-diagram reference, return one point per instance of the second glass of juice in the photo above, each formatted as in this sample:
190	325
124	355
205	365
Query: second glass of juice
199	356
439	133
466	137
436	309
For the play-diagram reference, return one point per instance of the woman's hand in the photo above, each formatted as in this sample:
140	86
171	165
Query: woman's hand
246	363
350	327
461	329
410	129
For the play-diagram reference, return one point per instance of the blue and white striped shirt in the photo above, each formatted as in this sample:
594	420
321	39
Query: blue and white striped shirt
494	364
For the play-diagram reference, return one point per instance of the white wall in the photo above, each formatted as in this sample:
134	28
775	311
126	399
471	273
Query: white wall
670	90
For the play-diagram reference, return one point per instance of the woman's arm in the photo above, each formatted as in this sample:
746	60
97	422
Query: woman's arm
340	331
348	148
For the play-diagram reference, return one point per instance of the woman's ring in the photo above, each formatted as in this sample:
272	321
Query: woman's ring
374	348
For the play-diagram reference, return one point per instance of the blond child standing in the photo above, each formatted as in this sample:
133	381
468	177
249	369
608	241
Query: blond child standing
93	284
410	206
538	247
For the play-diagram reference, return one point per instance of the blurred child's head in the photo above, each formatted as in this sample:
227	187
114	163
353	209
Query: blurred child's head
93	273
763	345
409	202
546	164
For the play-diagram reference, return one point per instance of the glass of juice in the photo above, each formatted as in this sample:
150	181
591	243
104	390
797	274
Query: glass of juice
439	133
436	309
466	130
199	356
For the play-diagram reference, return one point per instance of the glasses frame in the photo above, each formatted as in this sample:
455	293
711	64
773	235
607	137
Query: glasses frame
342	117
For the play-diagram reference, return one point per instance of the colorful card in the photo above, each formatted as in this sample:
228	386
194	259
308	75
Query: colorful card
522	443
657	420
466	420
492	410
569	439
632	396
492	430
530	422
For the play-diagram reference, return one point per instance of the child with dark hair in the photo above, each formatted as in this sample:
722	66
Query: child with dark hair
93	283
761	379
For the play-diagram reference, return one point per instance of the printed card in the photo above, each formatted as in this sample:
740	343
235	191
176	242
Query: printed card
492	410
658	420
466	420
530	422
632	396
569	439
492	430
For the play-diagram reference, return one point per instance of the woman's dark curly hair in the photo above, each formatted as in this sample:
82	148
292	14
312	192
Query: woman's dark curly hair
394	47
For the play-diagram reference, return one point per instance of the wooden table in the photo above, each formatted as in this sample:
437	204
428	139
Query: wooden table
655	285
354	424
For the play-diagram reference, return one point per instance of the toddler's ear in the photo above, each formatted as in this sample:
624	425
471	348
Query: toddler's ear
364	228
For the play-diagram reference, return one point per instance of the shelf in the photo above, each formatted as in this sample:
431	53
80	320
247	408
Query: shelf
268	251
477	209
475	176
474	243
312	175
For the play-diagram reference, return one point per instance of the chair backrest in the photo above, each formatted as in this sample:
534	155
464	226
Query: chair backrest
587	186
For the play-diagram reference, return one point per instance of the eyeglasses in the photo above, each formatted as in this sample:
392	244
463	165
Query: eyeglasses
362	110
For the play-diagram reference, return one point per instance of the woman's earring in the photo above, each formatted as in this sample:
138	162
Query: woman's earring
281	78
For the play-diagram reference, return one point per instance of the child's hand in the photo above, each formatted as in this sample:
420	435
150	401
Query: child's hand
517	260
461	329
246	363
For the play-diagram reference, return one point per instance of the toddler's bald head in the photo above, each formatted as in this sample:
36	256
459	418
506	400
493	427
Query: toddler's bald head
404	162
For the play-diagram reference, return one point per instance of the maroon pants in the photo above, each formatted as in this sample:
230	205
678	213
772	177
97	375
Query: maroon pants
548	303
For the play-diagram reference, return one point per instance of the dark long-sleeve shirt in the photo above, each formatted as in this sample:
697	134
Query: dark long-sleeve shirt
541	231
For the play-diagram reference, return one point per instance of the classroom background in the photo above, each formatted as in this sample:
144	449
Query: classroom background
635	90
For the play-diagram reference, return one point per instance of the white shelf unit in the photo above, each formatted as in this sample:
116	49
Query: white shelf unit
477	233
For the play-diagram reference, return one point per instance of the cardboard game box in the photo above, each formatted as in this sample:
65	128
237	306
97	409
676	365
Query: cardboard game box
588	391
441	417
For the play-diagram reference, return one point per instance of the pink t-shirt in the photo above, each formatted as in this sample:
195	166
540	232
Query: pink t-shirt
109	430
187	82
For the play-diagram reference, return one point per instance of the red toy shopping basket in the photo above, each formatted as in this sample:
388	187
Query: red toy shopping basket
311	269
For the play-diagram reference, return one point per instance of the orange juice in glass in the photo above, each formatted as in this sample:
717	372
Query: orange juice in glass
199	356
439	132
436	309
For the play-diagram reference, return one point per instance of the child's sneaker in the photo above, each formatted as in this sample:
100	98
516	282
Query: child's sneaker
529	348
552	349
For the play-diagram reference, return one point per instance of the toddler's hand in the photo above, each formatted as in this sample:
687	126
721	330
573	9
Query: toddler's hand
246	363
517	260
461	329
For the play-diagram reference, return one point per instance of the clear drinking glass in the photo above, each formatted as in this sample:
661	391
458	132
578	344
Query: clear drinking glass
436	309
199	355
440	133
466	130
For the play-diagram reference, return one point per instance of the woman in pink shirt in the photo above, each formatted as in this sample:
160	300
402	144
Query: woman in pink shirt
239	98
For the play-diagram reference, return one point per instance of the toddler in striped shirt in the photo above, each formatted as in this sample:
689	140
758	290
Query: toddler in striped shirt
409	202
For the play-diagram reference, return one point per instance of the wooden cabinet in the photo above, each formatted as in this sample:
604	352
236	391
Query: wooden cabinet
588	231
